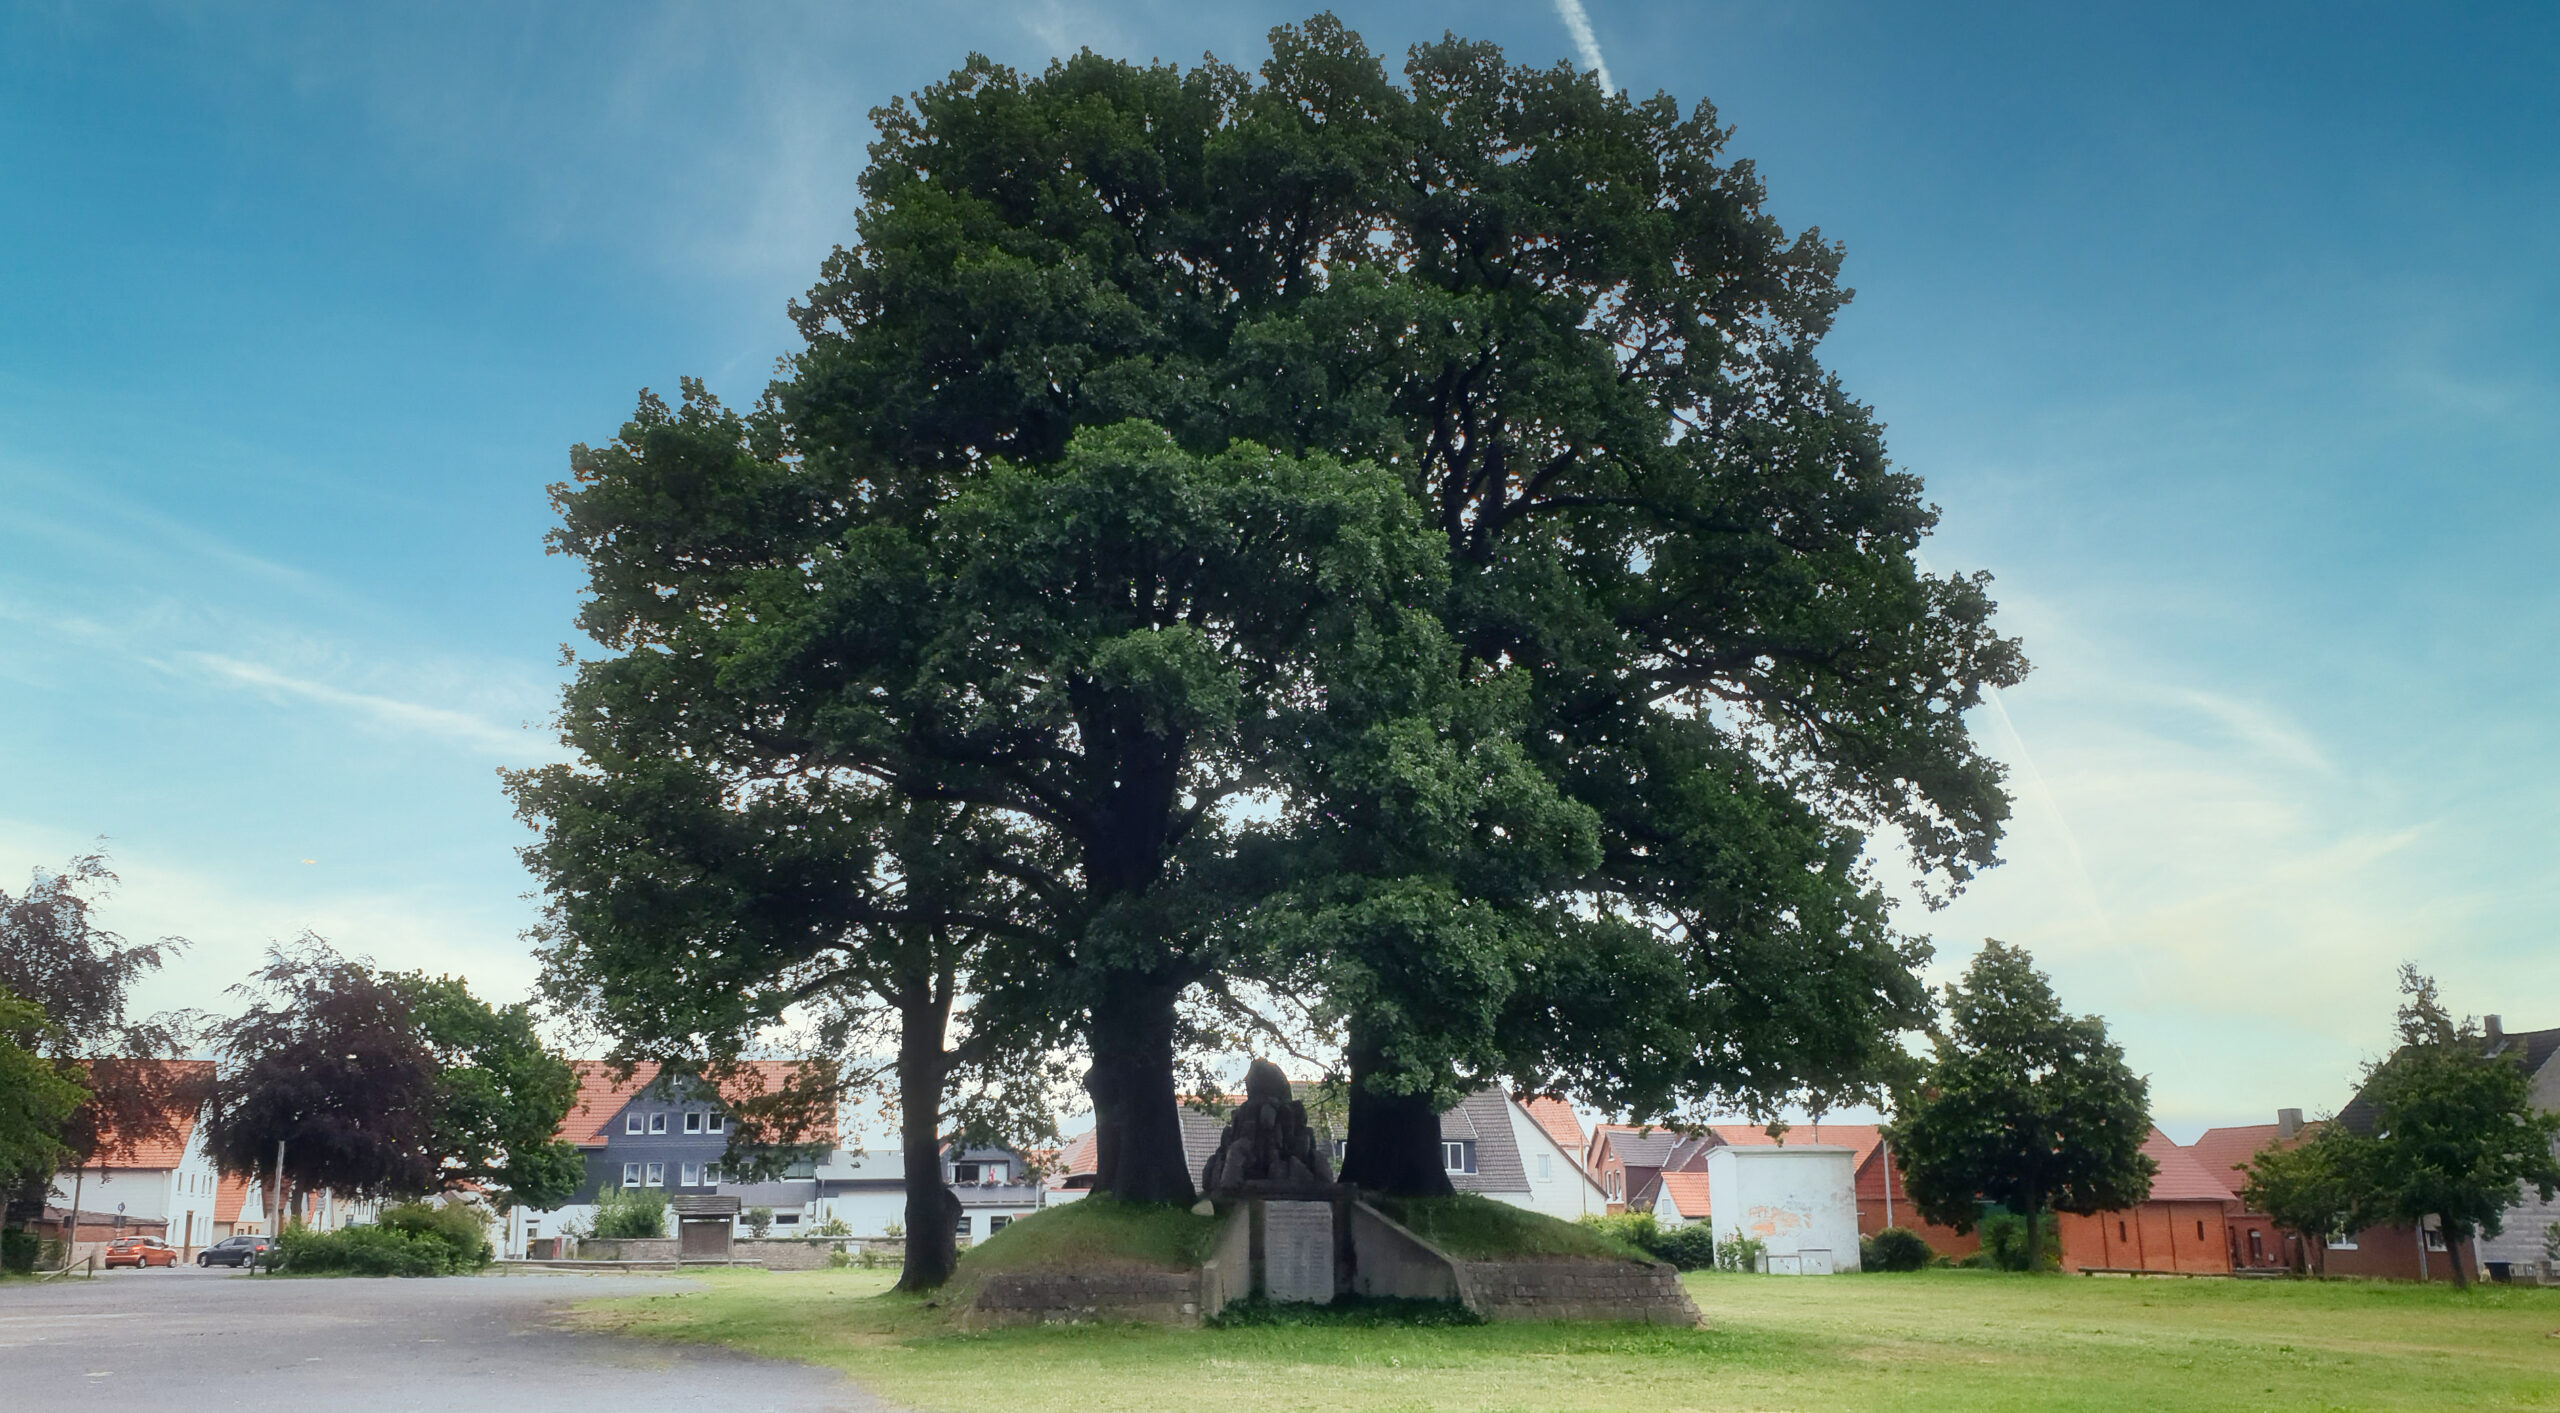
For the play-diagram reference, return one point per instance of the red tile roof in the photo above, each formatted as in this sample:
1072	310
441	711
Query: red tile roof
165	1152
2225	1152
230	1194
2181	1177
1557	1118
1859	1139
601	1095
1688	1192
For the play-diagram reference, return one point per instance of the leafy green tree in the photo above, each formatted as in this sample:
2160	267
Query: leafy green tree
501	1096
2315	1189
2021	1104
2454	1134
36	1097
1683	654
77	975
386	1084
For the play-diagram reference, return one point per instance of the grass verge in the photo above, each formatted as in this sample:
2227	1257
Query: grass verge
1474	1228
1958	1341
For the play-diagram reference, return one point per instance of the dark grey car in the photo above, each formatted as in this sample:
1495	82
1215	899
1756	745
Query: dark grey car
233	1251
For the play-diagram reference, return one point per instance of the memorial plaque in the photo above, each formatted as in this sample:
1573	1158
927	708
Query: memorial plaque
1297	1251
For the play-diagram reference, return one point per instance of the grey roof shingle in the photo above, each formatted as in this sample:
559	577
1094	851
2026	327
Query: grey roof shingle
1485	1116
2531	1048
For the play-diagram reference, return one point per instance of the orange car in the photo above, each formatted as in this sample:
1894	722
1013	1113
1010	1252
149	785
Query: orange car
139	1252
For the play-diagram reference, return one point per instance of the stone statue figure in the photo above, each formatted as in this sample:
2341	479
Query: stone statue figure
1267	1139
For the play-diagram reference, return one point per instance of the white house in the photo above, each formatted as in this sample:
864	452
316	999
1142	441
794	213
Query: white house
1494	1145
166	1185
1798	1200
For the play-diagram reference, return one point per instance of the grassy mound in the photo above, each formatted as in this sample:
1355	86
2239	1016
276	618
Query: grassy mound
1474	1228
1098	1233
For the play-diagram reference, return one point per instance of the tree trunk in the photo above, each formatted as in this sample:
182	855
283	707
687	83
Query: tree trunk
1395	1138
1137	1127
933	1213
2452	1253
2035	1232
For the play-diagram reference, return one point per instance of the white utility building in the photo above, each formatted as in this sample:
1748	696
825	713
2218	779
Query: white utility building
1799	1200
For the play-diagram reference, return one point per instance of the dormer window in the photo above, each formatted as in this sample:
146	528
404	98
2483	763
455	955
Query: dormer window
719	1123
1459	1156
964	1172
633	1123
658	1122
693	1121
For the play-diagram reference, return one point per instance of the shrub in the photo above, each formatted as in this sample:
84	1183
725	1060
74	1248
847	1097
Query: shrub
18	1250
1689	1248
832	1226
759	1220
630	1213
1739	1253
1895	1249
412	1239
1636	1229
2004	1242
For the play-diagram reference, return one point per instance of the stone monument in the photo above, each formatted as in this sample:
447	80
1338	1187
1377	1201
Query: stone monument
1270	1165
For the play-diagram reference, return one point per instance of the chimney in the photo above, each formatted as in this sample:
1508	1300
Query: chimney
2288	1123
2490	1030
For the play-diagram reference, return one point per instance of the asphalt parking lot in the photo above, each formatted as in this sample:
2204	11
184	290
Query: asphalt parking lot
185	1338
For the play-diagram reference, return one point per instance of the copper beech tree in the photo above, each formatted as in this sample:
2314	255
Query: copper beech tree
1392	545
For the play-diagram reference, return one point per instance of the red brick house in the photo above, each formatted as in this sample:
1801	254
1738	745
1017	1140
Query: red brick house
2257	1243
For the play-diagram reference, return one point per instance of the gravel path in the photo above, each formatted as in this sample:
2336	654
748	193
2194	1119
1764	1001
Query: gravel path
195	1339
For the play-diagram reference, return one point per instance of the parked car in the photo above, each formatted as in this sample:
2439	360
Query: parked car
139	1252
233	1251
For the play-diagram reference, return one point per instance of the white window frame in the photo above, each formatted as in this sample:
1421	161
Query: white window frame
1546	1168
997	1224
711	1175
693	1121
966	1172
1457	1155
633	1123
657	1175
658	1122
689	1175
719	1122
631	1175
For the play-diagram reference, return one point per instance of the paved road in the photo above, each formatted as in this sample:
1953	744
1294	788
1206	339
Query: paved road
195	1339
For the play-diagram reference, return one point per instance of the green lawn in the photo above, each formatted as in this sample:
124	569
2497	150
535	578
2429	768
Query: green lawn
1977	1342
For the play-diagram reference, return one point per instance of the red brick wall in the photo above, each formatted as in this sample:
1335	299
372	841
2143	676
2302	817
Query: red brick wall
2390	1253
2188	1238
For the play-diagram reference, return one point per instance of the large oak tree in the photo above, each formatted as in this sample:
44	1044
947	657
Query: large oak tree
1686	660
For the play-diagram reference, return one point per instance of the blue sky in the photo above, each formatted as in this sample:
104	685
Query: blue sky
2227	337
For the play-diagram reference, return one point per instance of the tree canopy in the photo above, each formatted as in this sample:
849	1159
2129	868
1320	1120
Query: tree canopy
386	1084
1392	545
76	978
2451	1130
2022	1104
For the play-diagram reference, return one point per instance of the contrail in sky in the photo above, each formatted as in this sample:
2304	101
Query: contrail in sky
1578	24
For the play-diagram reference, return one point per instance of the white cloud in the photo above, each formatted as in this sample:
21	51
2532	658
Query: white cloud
1577	24
390	713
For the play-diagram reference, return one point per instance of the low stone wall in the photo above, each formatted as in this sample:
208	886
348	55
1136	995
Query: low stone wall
1649	1292
627	1248
1389	1260
809	1253
1080	1298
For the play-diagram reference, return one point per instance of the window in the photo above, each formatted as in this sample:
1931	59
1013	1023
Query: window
2257	1247
786	1219
693	1121
801	1168
2120	1236
711	1175
2435	1238
631	1175
1459	1156
2343	1243
719	1123
657	1175
961	1227
658	1123
964	1172
1545	1172
631	1122
2199	1229
690	1175
997	1224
